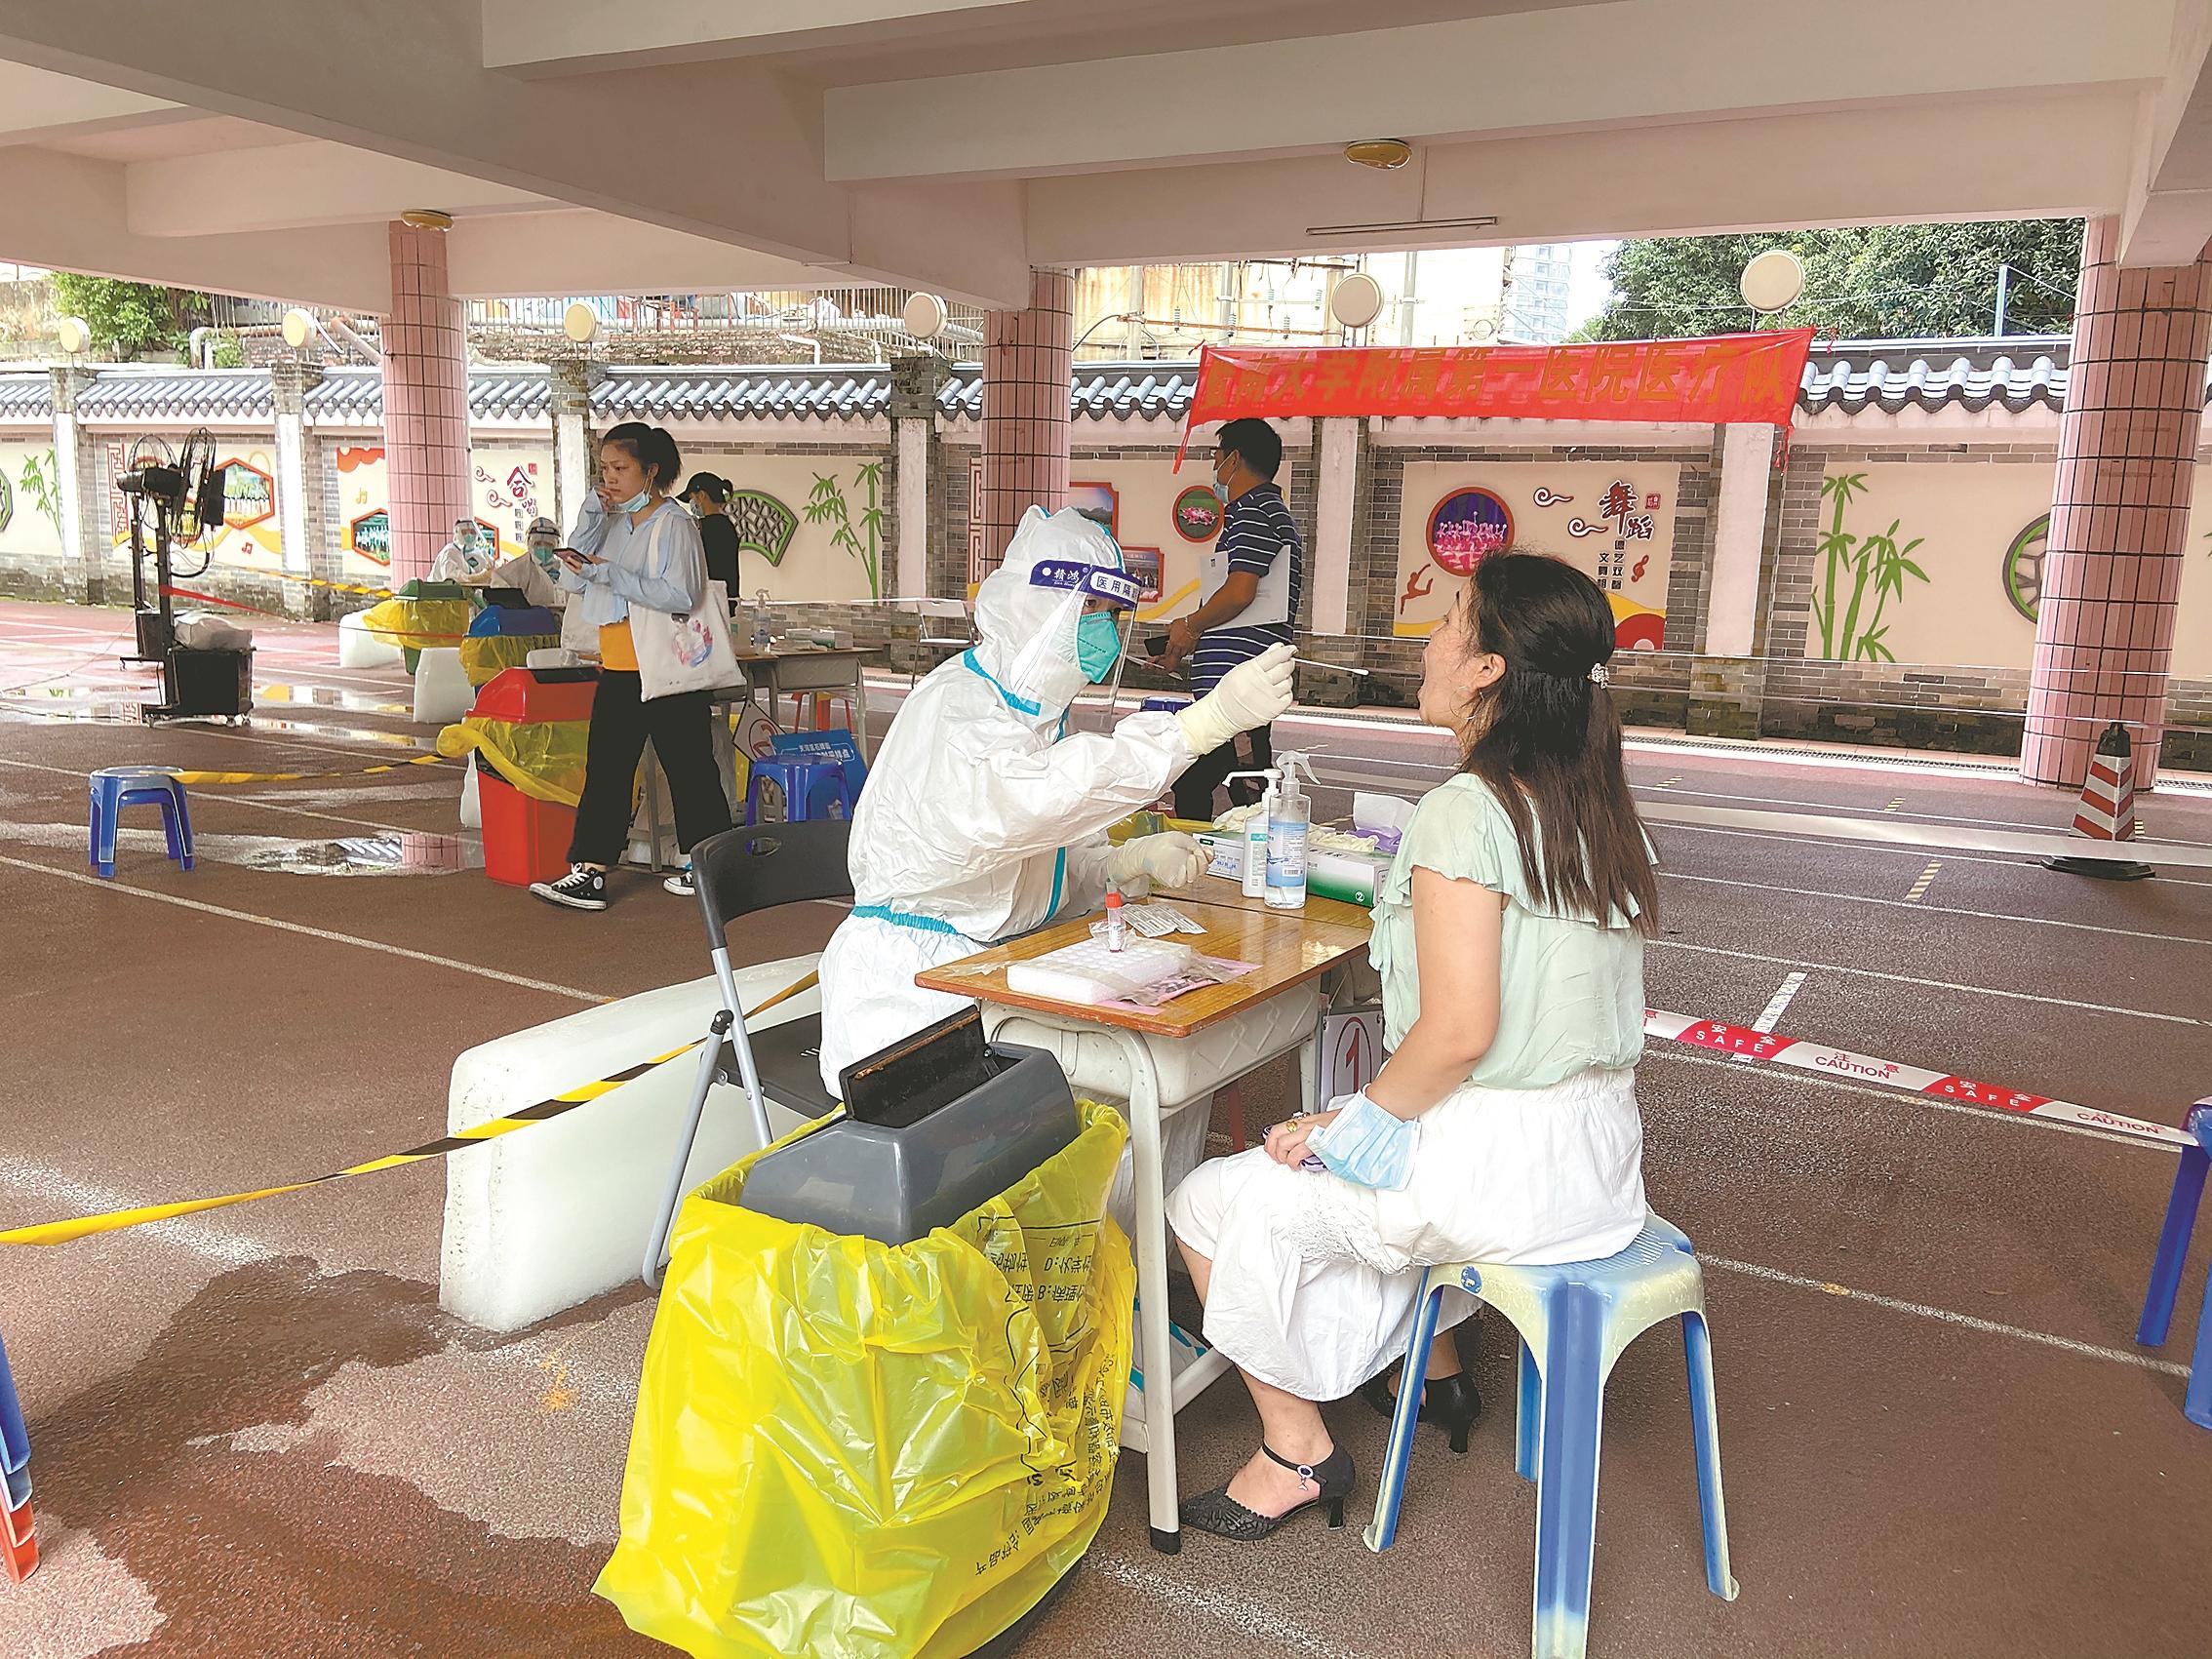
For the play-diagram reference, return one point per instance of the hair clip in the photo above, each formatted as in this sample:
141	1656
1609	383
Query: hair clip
1600	675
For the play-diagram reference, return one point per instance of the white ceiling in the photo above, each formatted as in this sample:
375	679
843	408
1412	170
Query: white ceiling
259	146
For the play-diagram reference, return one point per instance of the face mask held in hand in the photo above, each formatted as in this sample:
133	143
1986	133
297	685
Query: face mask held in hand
1098	646
1367	1145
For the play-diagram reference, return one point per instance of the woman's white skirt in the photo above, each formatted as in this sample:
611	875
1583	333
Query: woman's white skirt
1315	1278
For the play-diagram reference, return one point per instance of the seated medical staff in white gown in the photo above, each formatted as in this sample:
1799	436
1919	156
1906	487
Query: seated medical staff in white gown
984	816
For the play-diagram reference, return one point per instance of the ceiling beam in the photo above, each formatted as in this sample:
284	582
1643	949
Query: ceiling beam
284	186
2168	216
70	213
35	104
568	37
724	151
1501	74
1691	179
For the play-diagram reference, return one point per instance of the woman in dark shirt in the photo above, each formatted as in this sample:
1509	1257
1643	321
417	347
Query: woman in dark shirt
709	497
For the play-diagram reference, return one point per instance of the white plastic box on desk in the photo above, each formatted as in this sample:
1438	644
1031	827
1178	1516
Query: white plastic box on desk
542	1219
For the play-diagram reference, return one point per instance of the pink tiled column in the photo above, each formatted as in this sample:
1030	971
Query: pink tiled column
425	403
2127	449
1028	359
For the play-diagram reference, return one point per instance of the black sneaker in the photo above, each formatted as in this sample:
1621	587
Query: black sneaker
580	890
679	883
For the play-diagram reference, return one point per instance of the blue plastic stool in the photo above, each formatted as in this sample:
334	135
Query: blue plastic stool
15	1440
114	788
812	789
1574	1320
2167	1268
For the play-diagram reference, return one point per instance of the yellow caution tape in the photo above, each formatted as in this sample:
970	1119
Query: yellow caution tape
544	1111
206	780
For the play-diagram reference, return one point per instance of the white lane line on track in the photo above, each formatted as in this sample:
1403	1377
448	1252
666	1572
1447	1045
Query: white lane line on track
250	803
1931	984
326	933
2171	879
1890	832
1939	909
1668	1055
211	1241
1771	1015
1893	811
1949	1315
1246	1618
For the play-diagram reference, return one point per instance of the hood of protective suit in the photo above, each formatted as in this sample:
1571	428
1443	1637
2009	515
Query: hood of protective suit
1028	633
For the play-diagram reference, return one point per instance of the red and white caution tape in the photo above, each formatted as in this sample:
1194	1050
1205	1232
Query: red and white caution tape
1753	1045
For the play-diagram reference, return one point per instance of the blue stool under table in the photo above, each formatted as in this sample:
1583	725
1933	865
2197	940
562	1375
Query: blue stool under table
2167	1268
811	789
114	788
1574	1319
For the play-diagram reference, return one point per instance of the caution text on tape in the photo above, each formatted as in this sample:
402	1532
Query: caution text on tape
1818	1057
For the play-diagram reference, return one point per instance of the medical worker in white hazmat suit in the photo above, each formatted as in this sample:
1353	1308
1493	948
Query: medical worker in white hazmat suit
984	816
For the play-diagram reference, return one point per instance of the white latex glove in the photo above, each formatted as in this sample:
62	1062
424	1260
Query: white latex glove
1171	861
1250	696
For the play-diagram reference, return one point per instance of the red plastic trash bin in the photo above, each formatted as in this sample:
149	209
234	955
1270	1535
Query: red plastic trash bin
525	839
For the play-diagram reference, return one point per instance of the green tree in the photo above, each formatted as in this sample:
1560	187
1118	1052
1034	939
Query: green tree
1887	281
130	316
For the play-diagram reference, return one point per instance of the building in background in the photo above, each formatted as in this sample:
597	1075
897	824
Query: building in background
1435	296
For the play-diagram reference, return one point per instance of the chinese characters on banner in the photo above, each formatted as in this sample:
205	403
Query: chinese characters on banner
1728	378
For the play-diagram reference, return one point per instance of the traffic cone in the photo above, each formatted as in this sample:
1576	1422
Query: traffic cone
2106	811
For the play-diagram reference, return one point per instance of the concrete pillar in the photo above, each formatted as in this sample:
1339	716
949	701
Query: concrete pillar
426	401
1739	535
83	535
1336	487
289	385
1028	365
914	382
576	455
2127	453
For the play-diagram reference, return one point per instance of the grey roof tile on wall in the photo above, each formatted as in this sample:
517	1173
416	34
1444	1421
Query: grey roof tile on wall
2020	372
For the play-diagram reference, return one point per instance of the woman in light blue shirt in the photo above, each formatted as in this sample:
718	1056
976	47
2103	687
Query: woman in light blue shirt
632	547
1503	1127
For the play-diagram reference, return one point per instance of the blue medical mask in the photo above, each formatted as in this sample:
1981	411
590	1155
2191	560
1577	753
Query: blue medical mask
1098	645
635	502
1367	1145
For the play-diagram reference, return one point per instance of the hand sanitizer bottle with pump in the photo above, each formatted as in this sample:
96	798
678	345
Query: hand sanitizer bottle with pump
1256	833
1289	817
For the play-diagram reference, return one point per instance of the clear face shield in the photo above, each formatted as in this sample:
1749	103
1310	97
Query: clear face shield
1084	638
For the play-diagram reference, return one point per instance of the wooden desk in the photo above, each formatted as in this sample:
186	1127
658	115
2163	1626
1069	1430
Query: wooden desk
1225	894
1289	948
1161	1060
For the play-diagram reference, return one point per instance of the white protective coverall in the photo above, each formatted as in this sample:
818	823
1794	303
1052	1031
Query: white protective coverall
980	820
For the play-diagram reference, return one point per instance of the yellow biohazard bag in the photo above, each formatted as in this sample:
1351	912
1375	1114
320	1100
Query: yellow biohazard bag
483	657
853	1450
544	759
418	625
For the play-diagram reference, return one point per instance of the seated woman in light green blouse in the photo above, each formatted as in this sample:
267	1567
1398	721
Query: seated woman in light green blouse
1503	1128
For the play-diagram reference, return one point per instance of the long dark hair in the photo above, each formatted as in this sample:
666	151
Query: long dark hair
1545	737
653	449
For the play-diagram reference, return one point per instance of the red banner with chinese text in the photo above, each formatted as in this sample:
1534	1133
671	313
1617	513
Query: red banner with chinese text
1726	378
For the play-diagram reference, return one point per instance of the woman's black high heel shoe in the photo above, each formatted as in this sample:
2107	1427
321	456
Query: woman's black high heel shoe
1447	1400
1221	1515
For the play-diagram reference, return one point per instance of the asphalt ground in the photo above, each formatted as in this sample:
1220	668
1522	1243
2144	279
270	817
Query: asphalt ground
253	1431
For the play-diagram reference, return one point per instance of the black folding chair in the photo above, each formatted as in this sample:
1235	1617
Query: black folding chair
736	873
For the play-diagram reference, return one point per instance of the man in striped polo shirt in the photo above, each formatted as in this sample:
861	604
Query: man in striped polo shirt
1253	576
